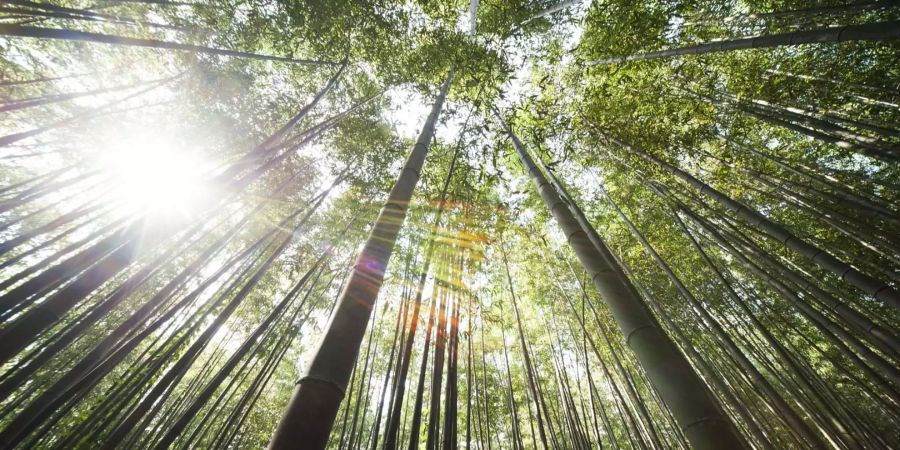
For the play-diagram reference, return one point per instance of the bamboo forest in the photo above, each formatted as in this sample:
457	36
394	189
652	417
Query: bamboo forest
449	224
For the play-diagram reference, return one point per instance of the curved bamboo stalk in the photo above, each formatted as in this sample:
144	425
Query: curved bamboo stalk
876	288
315	401
869	32
85	36
759	381
697	413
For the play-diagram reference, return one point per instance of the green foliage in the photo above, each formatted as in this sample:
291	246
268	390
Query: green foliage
734	120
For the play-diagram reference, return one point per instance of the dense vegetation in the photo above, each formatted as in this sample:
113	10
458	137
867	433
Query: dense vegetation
481	224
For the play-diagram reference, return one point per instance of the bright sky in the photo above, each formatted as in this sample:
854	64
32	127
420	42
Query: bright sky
137	163
409	111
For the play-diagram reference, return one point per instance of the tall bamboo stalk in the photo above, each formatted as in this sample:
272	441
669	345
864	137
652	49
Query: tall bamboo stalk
868	32
696	411
315	401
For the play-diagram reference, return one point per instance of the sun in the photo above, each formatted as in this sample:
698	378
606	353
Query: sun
154	175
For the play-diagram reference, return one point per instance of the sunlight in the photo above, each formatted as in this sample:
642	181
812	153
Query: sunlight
153	175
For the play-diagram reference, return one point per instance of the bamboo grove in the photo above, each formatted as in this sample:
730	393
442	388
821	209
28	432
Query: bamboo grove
369	224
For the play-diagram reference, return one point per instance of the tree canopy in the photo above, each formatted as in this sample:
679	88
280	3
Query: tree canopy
485	224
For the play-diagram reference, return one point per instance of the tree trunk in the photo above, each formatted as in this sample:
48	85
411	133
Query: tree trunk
529	369
876	288
868	32
792	419
684	392
416	420
93	112
85	36
396	407
50	99
203	396
565	4
315	401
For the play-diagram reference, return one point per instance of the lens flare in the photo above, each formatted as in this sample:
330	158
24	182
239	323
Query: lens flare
153	175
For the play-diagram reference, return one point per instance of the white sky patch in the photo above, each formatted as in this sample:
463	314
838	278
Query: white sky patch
676	26
408	111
